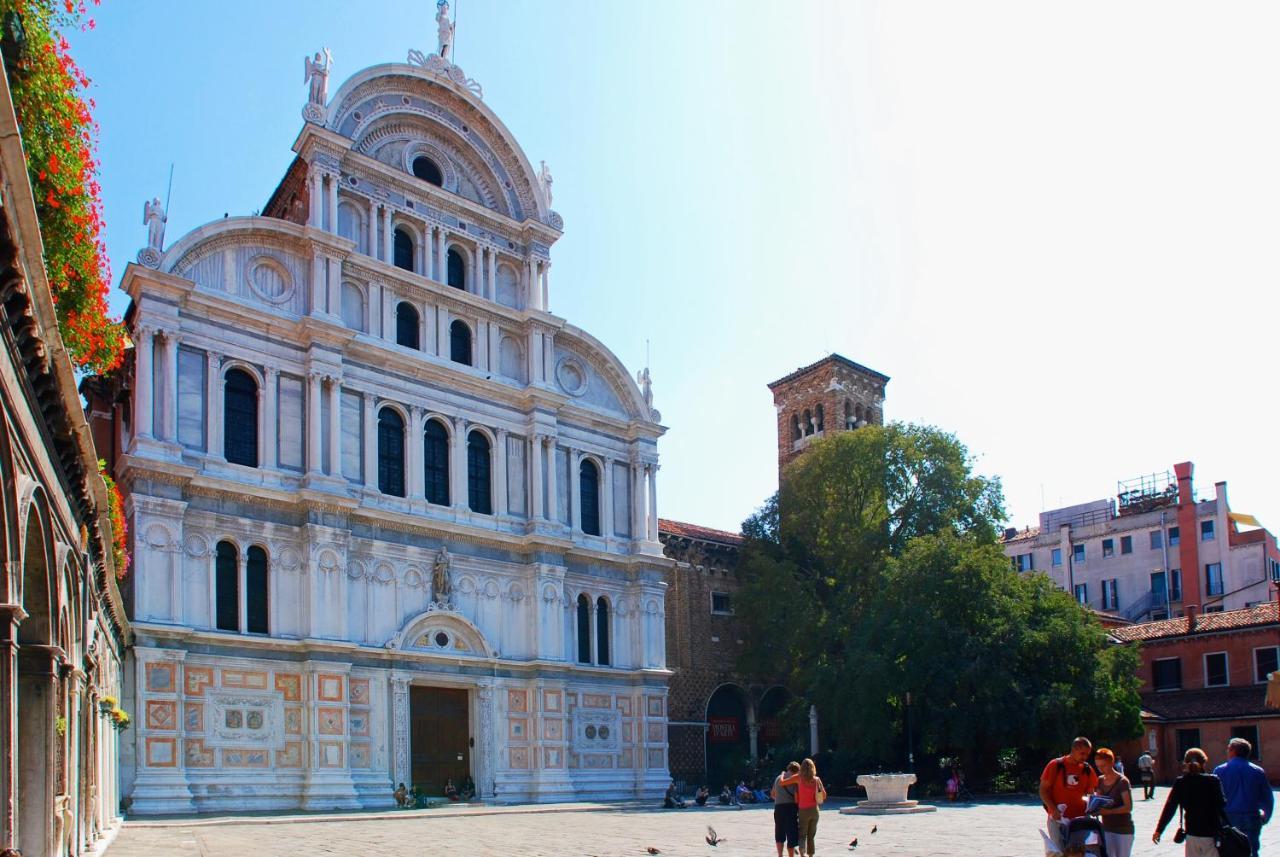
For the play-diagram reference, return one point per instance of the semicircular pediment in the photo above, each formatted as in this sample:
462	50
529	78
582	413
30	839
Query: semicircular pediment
442	632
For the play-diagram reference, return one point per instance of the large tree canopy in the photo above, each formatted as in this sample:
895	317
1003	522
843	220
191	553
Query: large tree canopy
875	572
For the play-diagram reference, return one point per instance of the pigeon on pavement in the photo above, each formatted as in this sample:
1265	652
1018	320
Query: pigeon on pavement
854	843
712	839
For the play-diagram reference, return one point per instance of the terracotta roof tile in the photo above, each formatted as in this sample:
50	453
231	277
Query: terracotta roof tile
1022	535
857	367
1212	703
693	531
1263	614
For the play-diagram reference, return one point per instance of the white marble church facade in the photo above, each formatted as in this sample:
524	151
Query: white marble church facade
365	462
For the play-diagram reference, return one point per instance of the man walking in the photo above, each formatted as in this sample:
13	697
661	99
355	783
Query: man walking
1065	784
1147	773
1249	798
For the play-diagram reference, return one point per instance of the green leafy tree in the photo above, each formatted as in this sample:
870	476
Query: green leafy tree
875	572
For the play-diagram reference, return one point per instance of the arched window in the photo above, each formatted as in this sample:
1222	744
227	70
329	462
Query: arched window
479	493
589	494
584	629
352	306
436	462
808	423
456	270
390	452
821	422
402	249
407	325
428	170
255	594
849	421
240	418
226	588
602	632
460	343
796	434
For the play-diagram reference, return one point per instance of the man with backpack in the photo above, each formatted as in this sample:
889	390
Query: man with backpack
1065	786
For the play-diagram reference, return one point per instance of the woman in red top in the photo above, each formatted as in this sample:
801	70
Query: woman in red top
810	793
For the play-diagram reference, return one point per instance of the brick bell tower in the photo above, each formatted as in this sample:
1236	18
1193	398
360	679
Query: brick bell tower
835	394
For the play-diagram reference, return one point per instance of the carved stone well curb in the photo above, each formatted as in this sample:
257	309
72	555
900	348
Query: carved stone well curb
886	795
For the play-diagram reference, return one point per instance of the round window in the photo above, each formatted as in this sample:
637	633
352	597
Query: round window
590	731
604	732
428	170
442	639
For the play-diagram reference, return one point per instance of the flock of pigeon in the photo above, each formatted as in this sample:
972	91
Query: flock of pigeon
714	840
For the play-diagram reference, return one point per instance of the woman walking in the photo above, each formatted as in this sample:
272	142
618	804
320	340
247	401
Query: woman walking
786	821
1200	798
810	794
1117	819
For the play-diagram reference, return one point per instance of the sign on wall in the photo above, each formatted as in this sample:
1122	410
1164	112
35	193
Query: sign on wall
723	730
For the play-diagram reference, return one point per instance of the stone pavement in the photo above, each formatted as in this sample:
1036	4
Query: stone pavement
998	829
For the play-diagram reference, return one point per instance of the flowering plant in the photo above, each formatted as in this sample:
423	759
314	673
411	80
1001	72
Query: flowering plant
59	137
119	526
119	719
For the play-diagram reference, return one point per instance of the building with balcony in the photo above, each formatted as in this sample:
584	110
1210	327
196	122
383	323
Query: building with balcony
1154	551
395	521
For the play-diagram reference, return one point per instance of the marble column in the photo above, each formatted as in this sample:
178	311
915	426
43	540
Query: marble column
387	247
535	477
458	464
169	405
500	473
546	286
368	407
653	503
417	476
530	277
492	292
575	491
495	355
144	382
315	213
371	236
402	773
335	427
428	251
477	272
442	260
213	404
442	332
313	423
553	489
271	406
10	616
242	587
637	501
606	525
333	203
266	428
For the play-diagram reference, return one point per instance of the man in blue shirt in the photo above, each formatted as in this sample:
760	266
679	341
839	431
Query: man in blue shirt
1249	798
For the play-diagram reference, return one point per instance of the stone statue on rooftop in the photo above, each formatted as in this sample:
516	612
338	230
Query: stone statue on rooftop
646	386
545	179
444	30
316	73
154	218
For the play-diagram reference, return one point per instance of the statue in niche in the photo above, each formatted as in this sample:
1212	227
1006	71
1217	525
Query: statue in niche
444	30
316	72
545	179
646	386
440	577
154	218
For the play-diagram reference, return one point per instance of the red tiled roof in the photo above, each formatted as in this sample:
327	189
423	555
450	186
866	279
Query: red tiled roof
857	367
1213	703
1263	614
693	531
1022	535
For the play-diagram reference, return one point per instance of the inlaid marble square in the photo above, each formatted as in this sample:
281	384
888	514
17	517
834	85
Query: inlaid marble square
329	687
626	759
293	721
552	701
197	755
358	691
237	758
597	700
290	685
234	718
657	759
162	678
290	756
250	679
552	757
162	752
517	701
330	754
360	755
517	729
519	758
553	730
657	733
655	706
193	717
329	721
624	705
162	714
197	679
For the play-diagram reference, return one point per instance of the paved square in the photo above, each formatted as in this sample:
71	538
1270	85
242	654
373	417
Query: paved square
982	830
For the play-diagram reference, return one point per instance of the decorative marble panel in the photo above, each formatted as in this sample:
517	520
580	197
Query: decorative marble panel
517	728
197	755
359	722
624	706
519	758
655	706
360	755
657	733
162	752
162	678
627	759
657	759
553	730
552	701
290	685
358	691
329	721
628	733
517	700
330	754
552	757
193	713
596	731
197	679
241	758
290	756
596	761
245	719
597	700
162	714
329	687
293	721
251	679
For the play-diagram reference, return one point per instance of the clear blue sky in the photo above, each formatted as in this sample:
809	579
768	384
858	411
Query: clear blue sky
1053	225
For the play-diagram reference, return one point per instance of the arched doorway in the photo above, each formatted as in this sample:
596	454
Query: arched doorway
728	736
774	734
37	688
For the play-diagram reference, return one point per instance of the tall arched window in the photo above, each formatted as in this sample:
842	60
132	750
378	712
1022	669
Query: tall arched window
808	423
390	452
240	418
460	343
436	462
255	590
796	434
226	588
818	415
584	629
589	494
427	170
456	269
849	421
479	492
407	325
602	631
402	249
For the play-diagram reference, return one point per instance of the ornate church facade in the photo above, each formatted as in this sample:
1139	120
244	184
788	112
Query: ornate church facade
394	521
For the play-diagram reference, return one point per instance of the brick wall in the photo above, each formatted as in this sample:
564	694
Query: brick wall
839	390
